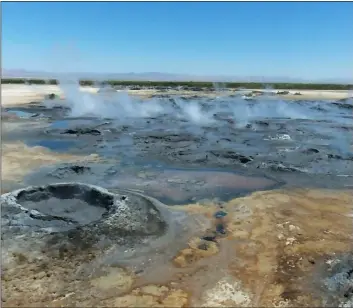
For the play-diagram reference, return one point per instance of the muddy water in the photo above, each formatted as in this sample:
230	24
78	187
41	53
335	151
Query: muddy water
170	186
76	210
186	186
300	143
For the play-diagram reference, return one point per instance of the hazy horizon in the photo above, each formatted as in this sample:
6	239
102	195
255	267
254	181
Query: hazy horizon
161	76
307	41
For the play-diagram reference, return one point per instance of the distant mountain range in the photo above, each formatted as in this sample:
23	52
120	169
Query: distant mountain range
157	76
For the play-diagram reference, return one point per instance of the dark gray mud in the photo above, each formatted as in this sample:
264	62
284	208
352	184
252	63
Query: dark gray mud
300	143
171	150
76	219
169	185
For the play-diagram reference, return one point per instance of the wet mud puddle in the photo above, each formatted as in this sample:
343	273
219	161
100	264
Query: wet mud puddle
170	186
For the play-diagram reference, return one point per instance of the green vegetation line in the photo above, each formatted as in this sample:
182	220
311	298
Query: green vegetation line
189	84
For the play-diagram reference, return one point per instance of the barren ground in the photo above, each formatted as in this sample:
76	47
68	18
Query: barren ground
17	160
273	254
22	94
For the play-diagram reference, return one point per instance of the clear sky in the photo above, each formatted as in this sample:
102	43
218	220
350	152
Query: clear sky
293	39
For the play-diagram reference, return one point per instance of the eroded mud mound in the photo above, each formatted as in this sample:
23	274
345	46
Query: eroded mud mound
80	232
76	218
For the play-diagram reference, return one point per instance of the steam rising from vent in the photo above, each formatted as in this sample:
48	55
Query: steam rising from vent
120	105
192	114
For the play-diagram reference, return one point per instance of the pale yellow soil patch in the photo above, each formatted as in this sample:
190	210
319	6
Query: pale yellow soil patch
268	258
310	94
285	232
304	95
12	95
197	250
150	296
17	160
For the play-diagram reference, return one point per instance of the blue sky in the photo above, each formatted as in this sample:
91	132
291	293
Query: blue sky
293	39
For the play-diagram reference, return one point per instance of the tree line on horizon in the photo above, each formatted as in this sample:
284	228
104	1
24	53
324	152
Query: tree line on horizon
190	84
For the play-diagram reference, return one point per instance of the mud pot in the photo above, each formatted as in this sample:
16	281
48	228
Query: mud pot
177	200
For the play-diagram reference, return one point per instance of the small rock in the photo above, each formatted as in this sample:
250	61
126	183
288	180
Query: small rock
290	241
220	214
20	256
293	228
311	260
93	156
210	238
203	246
310	151
348	292
175	181
334	156
220	229
51	96
332	262
142	175
40	275
280	236
82	131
